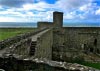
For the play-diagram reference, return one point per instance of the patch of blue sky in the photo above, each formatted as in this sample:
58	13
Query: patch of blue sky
97	2
51	1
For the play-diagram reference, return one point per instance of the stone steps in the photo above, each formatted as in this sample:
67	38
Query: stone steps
32	47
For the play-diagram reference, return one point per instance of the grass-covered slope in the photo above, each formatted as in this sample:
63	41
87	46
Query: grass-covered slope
94	65
11	32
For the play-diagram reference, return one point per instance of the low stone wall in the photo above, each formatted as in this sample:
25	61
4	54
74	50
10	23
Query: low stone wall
8	42
21	48
13	64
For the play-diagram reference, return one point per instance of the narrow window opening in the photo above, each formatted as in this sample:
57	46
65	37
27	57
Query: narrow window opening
91	49
95	42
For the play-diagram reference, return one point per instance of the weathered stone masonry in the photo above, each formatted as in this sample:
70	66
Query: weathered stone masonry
58	43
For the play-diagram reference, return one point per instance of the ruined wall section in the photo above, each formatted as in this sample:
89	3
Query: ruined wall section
83	38
21	49
72	43
44	47
58	48
44	25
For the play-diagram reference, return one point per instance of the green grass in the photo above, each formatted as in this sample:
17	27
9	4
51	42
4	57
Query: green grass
94	65
11	32
90	64
85	63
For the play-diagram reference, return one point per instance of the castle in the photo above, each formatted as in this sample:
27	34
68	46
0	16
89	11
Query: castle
70	42
52	41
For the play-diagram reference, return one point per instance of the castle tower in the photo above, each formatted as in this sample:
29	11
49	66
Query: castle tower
58	37
58	19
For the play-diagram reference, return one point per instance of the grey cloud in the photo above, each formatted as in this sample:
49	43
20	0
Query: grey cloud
14	3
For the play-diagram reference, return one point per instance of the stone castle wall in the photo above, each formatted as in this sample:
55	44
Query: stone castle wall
61	43
83	38
72	43
44	46
44	25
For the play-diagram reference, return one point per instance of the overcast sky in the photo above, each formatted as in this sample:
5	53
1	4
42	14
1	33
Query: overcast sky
41	10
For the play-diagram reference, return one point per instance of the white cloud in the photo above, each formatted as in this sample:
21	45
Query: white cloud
71	4
12	13
6	19
87	7
83	8
0	7
16	19
28	16
97	12
70	8
44	10
32	7
70	15
40	6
